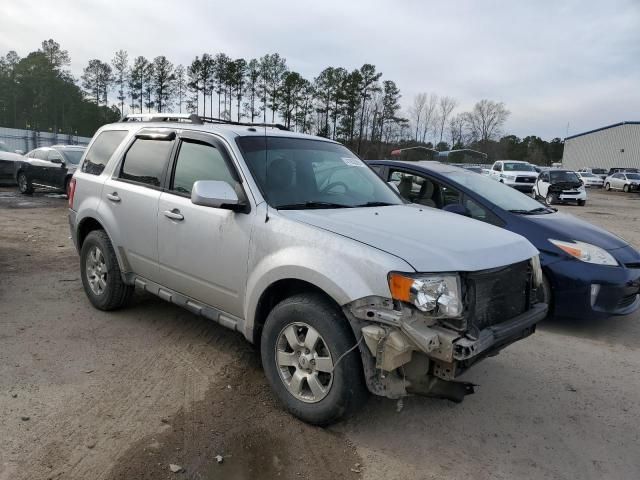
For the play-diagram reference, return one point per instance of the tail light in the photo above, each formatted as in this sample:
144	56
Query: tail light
71	192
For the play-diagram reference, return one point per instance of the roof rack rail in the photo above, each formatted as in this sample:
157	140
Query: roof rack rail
191	118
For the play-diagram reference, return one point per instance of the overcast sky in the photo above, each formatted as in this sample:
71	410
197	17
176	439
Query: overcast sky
552	62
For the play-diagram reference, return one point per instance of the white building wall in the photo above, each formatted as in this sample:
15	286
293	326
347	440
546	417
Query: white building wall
603	148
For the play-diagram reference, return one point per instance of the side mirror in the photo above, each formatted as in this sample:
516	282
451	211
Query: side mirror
57	161
19	152
216	194
394	186
457	208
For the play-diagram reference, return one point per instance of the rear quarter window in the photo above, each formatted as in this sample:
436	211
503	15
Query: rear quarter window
101	151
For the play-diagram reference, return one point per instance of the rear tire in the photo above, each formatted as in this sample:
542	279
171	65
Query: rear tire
304	374
607	186
24	185
100	272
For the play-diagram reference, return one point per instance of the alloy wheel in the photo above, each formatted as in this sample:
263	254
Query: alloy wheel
304	362
96	268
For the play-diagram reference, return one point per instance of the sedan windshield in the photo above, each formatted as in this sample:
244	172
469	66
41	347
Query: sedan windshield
587	174
300	173
497	193
599	171
633	176
563	176
73	156
518	167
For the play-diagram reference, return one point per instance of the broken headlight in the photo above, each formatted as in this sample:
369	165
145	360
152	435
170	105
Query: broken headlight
439	295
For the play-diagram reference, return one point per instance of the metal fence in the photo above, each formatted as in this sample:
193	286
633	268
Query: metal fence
26	140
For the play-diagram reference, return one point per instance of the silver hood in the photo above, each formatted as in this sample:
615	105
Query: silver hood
428	239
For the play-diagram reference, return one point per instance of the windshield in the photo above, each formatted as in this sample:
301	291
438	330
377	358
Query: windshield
633	176
499	194
518	167
586	174
563	176
305	173
599	171
73	156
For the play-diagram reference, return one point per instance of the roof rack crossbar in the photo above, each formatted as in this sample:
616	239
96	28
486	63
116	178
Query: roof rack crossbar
192	118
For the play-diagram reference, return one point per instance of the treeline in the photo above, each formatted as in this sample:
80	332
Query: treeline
359	108
38	92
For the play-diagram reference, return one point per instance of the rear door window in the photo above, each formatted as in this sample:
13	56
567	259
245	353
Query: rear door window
146	162
101	151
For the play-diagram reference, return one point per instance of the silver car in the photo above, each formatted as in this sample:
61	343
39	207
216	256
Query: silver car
297	244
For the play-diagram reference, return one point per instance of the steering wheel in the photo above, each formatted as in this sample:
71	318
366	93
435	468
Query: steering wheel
335	184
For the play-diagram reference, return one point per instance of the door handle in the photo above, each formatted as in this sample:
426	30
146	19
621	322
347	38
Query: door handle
173	214
113	197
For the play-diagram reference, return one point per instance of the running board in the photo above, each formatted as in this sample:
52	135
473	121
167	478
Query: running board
207	311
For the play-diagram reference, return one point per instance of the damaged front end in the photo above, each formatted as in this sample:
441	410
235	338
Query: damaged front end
436	326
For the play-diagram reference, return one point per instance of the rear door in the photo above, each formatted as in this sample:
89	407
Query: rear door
39	164
130	199
203	251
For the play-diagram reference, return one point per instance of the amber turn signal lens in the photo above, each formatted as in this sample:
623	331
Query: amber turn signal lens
400	287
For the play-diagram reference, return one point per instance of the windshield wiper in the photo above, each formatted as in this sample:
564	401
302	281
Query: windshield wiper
311	205
375	204
531	212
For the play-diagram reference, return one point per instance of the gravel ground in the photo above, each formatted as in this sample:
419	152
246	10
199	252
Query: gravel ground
86	394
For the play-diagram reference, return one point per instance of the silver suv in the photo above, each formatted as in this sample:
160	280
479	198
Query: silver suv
298	245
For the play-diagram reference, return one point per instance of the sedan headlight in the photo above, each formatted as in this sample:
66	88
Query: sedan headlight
438	294
586	252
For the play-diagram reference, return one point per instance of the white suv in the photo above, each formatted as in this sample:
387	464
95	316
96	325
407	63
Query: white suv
515	173
298	245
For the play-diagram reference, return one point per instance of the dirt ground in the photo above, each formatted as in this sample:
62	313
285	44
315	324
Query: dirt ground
92	395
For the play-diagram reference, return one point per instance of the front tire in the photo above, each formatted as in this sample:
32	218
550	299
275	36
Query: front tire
625	189
303	338
550	200
582	203
607	186
24	185
100	272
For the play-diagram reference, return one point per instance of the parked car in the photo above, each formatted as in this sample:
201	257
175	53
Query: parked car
473	168
589	273
516	174
590	180
555	186
598	172
8	159
48	167
621	170
627	182
293	241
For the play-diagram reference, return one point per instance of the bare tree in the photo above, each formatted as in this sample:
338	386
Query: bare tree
457	126
429	115
416	111
445	107
486	119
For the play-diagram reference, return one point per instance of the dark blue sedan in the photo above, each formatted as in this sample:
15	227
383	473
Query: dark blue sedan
589	272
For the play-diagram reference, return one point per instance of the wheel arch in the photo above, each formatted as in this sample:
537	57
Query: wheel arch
276	292
89	224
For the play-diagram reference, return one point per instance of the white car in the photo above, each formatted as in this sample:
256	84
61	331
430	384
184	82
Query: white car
560	186
625	181
590	180
515	173
598	172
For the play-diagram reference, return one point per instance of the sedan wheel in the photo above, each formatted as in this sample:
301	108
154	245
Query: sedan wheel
607	186
24	186
625	189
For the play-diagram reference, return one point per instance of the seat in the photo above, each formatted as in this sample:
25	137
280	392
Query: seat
404	187
426	194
